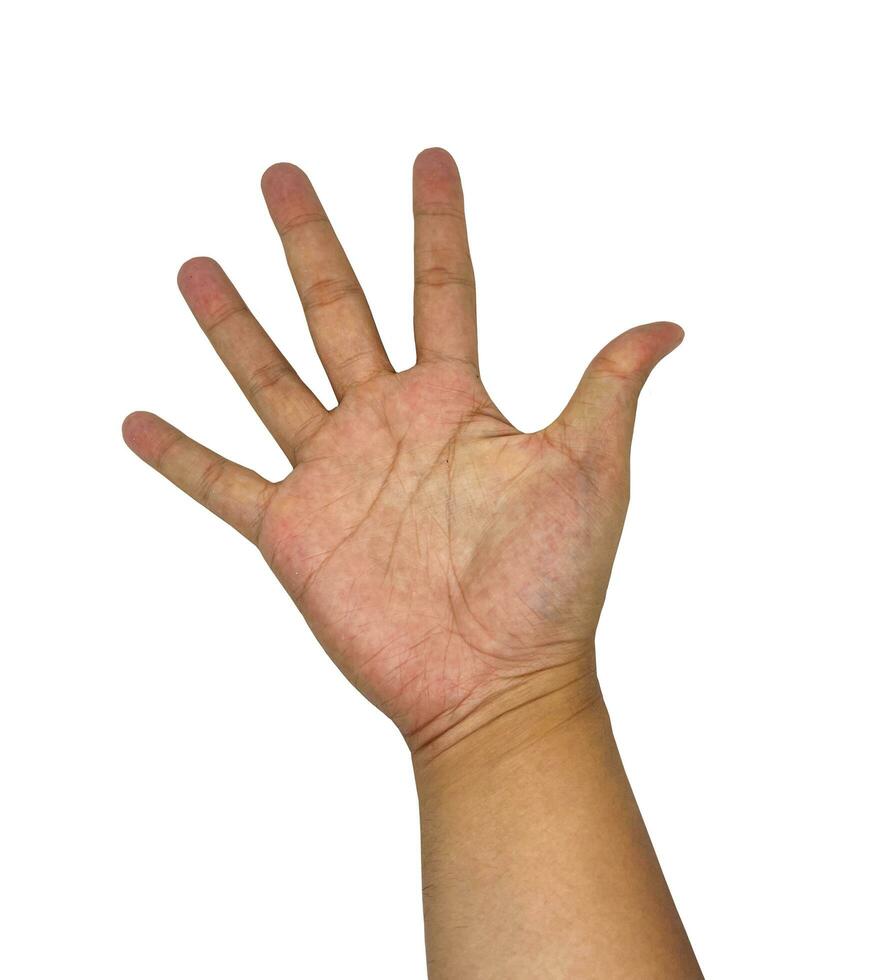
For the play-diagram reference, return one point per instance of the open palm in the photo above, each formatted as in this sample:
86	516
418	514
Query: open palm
439	555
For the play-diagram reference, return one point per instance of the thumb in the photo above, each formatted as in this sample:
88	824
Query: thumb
604	404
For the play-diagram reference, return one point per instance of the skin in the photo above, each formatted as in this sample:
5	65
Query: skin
454	569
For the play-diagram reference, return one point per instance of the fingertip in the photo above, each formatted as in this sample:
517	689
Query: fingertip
434	154
280	175
131	422
133	428
651	341
672	333
435	162
289	195
634	354
196	270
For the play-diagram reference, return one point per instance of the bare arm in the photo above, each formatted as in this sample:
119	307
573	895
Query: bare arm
454	569
536	862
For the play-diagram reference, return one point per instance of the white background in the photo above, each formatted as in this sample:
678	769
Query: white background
189	789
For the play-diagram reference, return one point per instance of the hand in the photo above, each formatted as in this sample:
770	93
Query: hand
444	559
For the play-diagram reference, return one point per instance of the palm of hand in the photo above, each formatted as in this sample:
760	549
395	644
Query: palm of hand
435	550
438	553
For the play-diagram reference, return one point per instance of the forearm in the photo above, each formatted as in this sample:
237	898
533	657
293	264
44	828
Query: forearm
436	551
536	862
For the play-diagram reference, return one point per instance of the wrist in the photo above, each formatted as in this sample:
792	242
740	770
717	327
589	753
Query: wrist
533	713
535	859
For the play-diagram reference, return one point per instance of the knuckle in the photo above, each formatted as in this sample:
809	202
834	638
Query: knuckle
611	370
442	210
436	276
208	481
163	456
218	318
327	292
266	376
293	224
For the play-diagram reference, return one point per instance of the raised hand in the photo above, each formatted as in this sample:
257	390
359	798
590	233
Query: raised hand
446	561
